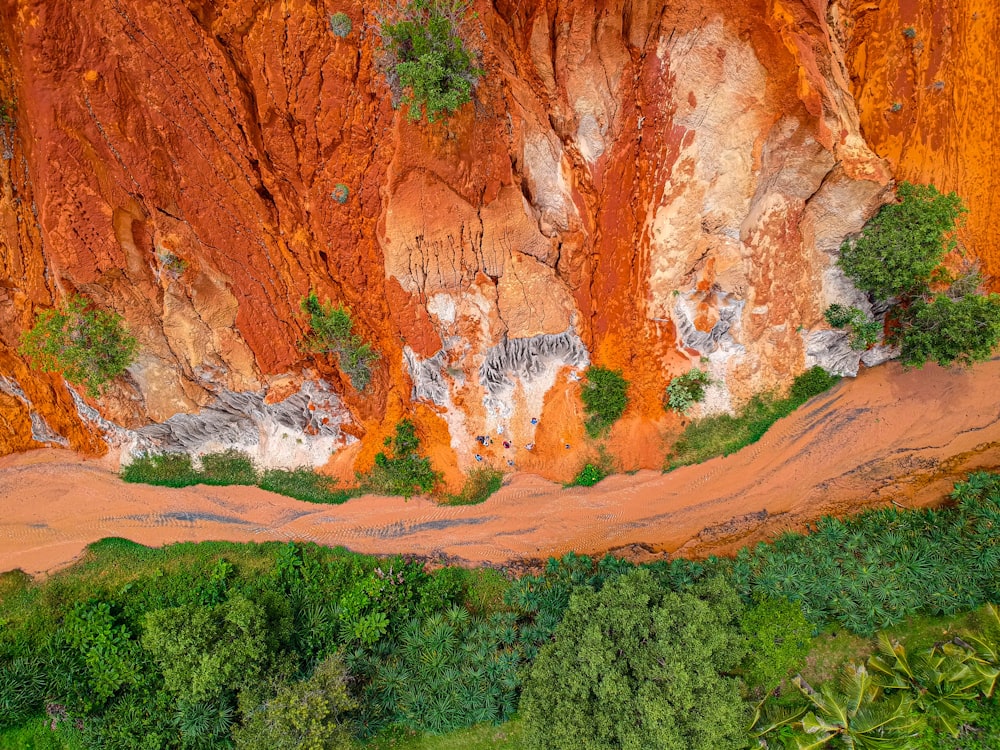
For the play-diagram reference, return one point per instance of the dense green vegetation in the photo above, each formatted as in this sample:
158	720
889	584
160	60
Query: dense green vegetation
589	475
605	396
722	434
233	467
479	485
900	249
864	331
403	471
90	347
425	58
637	665
292	645
332	331
942	315
686	390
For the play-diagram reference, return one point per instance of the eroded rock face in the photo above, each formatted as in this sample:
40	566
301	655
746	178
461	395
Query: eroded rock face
924	74
180	163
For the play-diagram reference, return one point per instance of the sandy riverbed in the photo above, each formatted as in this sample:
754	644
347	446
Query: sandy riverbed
888	436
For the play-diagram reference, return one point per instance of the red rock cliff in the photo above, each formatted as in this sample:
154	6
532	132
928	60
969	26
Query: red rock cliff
637	184
924	73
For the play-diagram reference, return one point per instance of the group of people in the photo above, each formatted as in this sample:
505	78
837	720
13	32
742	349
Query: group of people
486	441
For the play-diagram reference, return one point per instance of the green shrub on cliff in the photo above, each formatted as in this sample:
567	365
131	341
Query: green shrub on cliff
605	396
864	332
90	347
686	390
899	250
405	472
425	59
332	331
943	316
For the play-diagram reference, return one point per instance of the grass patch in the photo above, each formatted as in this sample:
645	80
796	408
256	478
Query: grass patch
479	485
234	468
507	736
305	485
37	735
404	472
723	434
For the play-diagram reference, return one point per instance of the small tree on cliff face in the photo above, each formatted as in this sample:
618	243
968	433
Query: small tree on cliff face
942	316
90	347
425	60
332	330
900	249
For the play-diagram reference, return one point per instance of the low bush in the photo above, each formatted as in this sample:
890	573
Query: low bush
340	24
425	58
90	347
233	468
722	434
605	396
405	472
686	390
864	332
332	331
588	476
479	485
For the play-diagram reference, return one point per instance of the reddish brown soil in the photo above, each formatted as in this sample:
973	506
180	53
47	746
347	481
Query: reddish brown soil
888	436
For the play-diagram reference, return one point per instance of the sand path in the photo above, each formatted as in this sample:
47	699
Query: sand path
888	436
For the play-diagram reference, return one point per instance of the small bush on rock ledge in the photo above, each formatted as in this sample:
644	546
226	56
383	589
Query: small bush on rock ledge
425	60
688	389
332	331
90	347
605	396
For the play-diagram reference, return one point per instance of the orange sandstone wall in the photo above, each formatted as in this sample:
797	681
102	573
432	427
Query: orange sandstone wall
924	73
637	184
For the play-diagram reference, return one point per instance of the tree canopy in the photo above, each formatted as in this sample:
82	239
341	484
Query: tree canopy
636	666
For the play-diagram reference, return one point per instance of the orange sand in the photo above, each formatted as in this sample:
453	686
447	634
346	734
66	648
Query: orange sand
888	436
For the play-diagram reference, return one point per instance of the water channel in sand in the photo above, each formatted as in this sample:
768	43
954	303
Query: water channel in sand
889	436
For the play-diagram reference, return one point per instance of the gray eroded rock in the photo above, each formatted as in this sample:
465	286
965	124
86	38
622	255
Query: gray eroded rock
831	350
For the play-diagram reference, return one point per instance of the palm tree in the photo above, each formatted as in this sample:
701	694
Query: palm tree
855	714
943	682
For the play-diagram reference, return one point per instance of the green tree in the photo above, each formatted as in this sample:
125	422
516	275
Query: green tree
949	331
904	244
405	472
635	666
605	396
306	715
426	57
89	347
207	652
942	316
778	639
332	331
